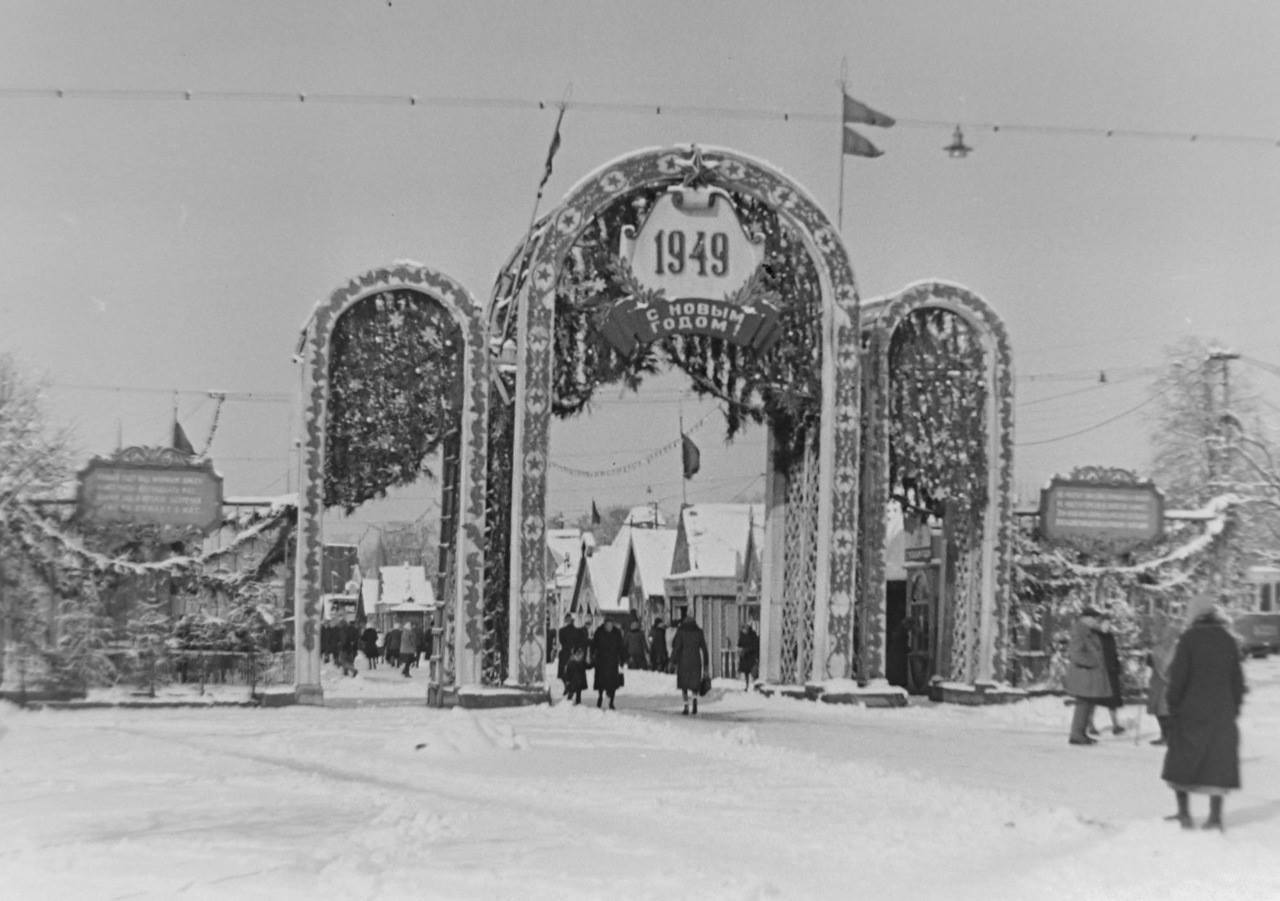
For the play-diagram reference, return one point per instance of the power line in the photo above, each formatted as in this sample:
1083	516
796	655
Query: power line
651	108
1096	425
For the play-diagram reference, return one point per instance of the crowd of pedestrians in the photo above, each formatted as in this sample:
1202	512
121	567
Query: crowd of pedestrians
1195	691
403	646
607	650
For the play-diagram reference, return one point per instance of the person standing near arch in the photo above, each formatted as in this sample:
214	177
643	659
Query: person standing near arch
1205	691
691	658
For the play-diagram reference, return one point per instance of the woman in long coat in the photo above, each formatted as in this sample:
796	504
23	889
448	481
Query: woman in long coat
1086	678
1206	689
608	650
1160	658
690	656
1111	663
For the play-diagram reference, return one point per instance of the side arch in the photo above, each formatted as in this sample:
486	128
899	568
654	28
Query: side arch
831	554
462	507
978	640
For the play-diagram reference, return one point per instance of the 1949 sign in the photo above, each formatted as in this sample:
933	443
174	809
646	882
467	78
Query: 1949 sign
696	271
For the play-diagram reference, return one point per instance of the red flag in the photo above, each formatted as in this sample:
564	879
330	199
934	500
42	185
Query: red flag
856	145
690	456
551	151
857	111
180	442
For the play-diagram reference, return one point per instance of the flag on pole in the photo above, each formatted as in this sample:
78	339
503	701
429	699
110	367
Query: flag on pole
856	145
859	112
595	514
690	456
180	441
551	151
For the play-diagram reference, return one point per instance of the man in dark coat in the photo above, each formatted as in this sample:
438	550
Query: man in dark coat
571	665
748	653
1206	689
637	654
369	644
608	650
658	657
691	658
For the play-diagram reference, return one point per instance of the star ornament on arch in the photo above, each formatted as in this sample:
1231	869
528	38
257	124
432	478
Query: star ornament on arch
698	169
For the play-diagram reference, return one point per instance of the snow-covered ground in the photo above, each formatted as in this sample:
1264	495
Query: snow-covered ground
378	796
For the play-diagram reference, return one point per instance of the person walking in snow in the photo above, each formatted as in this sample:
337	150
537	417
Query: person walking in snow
572	659
408	647
608	650
369	644
348	645
1160	658
391	645
748	653
1111	664
690	656
1086	678
1206	689
658	657
637	655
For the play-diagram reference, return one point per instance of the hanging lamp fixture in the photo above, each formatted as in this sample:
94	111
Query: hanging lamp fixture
958	149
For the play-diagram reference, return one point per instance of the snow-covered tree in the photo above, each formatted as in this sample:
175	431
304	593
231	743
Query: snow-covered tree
33	463
1210	439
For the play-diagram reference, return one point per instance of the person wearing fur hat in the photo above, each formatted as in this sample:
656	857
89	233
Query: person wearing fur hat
1204	694
1086	678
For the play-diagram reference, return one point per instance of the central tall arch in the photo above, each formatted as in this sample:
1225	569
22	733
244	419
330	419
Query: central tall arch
812	510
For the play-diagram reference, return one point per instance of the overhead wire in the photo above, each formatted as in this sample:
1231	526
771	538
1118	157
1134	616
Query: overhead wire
649	108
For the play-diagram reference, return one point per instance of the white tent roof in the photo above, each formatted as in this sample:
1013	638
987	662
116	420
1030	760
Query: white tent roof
717	536
653	550
406	583
604	568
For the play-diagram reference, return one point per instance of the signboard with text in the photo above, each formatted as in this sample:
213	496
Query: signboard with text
150	489
1098	511
691	268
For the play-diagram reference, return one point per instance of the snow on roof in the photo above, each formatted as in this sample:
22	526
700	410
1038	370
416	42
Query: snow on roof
653	550
405	583
604	568
565	548
716	535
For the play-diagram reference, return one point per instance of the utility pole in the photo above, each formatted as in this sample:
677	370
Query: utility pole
1224	457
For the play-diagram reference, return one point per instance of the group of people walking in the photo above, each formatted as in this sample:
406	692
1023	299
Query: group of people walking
1195	692
607	650
403	646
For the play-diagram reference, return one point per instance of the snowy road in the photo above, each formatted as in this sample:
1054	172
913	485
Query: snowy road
754	798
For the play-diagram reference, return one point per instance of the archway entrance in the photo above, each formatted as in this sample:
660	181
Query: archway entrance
394	369
741	281
938	389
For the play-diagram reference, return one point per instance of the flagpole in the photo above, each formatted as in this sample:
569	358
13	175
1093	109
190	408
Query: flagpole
684	489
844	89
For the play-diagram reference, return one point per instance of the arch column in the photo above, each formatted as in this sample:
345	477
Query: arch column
837	525
315	350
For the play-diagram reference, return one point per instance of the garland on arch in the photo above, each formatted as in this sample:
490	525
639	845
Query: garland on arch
781	386
937	424
395	390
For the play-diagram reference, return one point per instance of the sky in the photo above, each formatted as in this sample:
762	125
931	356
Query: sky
150	244
375	795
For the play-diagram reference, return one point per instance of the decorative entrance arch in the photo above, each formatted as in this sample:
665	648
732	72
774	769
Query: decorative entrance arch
461	432
978	384
807	609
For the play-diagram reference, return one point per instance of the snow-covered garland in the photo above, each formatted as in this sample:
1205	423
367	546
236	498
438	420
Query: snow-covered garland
45	541
782	386
937	433
395	389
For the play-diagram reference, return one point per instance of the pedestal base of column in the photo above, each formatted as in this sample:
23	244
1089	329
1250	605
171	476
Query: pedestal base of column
309	694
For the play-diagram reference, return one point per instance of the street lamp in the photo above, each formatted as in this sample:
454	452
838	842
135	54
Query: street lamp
958	149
